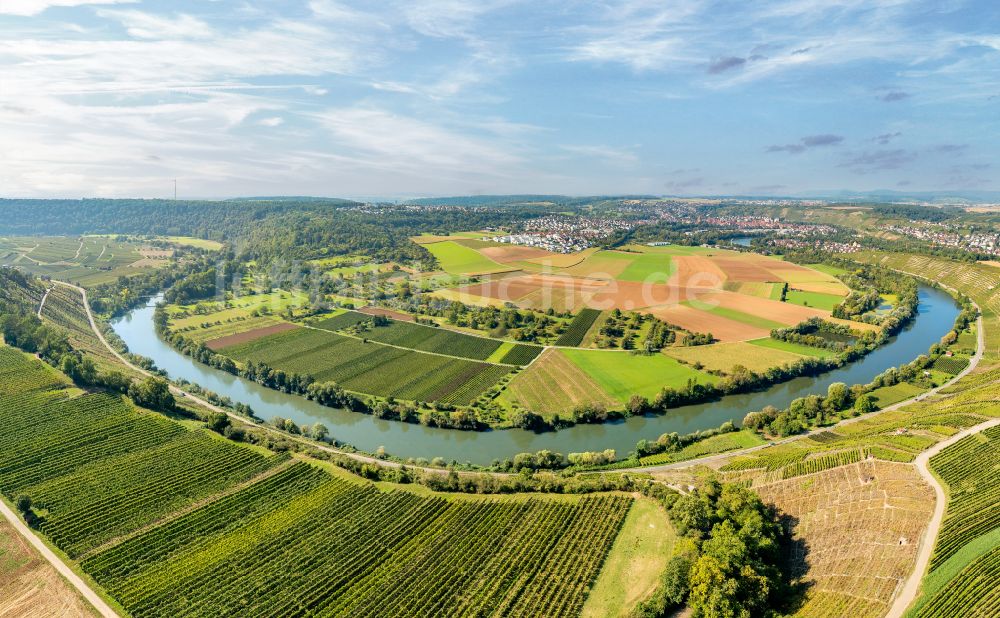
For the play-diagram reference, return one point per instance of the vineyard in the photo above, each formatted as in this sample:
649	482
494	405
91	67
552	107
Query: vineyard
174	521
521	354
856	530
972	592
371	368
578	328
431	339
969	468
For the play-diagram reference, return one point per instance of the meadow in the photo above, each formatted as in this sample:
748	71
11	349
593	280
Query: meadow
622	374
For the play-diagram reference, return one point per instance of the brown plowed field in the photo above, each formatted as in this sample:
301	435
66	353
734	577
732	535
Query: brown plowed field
250	335
514	253
630	295
698	321
741	269
696	271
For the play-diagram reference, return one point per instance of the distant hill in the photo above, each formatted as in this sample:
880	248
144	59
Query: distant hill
298	199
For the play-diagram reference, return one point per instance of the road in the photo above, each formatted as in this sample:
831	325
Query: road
177	391
973	362
86	591
912	585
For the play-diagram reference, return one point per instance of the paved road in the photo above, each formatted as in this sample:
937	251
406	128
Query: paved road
236	417
88	593
912	585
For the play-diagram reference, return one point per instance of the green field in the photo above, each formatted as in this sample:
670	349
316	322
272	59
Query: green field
795	348
817	300
735	315
86	260
174	521
622	374
723	356
457	259
371	368
827	268
709	446
888	395
648	267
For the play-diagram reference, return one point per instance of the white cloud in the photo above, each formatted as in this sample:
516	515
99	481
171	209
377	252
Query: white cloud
34	7
143	25
272	121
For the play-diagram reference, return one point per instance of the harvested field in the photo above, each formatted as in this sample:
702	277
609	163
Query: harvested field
776	311
722	356
29	586
602	265
857	528
514	253
834	288
388	313
742	269
554	385
538	286
699	321
250	335
697	271
565	260
752	288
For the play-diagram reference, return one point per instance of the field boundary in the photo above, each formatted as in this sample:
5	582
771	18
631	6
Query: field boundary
67	573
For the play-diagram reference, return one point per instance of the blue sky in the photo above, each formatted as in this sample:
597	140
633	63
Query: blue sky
413	98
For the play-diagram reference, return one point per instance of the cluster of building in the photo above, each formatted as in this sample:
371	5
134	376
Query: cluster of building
946	236
828	246
761	224
564	234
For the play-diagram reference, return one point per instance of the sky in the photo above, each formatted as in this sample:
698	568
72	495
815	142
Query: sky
397	99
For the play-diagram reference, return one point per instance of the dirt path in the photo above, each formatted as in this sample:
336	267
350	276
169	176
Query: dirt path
78	250
41	305
85	590
912	584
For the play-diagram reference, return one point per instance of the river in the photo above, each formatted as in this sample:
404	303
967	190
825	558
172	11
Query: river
936	314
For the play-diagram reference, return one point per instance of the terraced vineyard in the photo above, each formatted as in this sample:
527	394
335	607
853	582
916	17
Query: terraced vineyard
972	592
370	367
970	468
173	521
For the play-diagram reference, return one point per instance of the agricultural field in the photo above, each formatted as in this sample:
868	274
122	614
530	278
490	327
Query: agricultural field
216	322
555	385
856	529
733	295
85	260
458	259
369	367
30	586
622	374
792	348
578	328
171	520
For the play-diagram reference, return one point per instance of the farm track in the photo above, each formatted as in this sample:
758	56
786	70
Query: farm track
911	587
240	419
41	305
74	580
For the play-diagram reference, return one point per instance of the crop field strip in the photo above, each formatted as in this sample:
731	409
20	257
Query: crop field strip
406	554
578	328
427	338
298	541
96	466
371	368
970	469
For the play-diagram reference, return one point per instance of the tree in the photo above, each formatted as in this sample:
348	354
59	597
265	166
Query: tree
319	432
22	503
217	422
153	393
865	404
837	396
